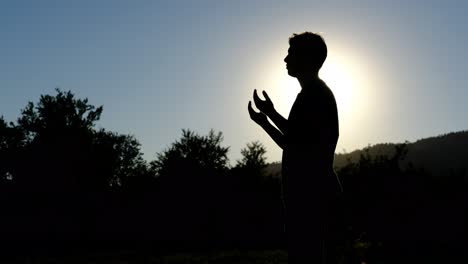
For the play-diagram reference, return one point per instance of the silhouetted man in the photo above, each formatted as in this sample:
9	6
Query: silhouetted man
308	139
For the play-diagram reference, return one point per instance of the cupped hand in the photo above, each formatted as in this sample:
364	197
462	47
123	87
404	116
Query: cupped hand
265	106
258	117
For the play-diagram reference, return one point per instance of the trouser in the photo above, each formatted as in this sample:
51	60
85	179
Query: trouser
306	233
311	227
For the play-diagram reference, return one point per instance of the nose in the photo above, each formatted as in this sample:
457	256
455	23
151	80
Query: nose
286	58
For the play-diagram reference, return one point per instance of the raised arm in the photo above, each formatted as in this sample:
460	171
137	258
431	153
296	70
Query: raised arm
266	107
262	120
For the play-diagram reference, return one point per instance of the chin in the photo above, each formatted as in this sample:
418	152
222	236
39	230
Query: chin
291	73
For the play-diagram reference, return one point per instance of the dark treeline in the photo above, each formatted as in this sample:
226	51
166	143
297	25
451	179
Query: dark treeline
439	155
399	210
62	180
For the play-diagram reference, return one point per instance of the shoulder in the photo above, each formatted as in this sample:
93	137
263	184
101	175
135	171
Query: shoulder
326	91
327	97
319	95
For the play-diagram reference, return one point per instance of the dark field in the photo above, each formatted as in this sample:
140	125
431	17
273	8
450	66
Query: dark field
135	256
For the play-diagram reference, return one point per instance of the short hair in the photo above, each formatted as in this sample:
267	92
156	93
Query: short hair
311	45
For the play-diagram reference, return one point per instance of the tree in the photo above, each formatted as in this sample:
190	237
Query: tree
195	151
11	142
249	171
253	157
63	150
58	163
55	115
190	174
58	145
120	159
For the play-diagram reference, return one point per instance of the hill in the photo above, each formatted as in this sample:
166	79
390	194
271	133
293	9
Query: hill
439	155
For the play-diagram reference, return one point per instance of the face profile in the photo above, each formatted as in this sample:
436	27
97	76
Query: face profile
293	63
306	54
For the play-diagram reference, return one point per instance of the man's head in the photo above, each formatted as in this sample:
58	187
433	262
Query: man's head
306	55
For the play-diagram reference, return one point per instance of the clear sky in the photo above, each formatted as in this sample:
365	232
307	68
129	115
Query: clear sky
398	68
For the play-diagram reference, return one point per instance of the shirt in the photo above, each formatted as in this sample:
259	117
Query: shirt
310	140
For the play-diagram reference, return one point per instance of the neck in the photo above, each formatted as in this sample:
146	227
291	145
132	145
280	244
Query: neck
307	79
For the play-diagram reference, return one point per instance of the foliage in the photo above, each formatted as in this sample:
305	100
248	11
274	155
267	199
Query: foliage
57	147
437	155
11	142
391	204
119	157
94	183
55	115
253	156
203	152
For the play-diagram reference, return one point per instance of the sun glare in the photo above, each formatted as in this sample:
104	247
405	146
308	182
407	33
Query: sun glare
348	74
344	76
282	89
338	77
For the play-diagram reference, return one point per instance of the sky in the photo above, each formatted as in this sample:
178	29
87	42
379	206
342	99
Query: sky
398	69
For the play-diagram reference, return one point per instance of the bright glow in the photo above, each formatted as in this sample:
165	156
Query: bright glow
337	75
281	87
341	76
349	77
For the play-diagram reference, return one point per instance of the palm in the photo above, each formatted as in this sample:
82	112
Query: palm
265	106
259	118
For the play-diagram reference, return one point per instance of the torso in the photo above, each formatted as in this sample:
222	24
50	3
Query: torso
311	138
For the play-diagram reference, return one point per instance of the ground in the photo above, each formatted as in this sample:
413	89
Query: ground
124	257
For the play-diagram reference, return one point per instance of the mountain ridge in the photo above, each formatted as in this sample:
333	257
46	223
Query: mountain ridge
439	155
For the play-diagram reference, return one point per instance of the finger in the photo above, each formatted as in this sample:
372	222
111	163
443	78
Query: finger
266	96
257	99
251	111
